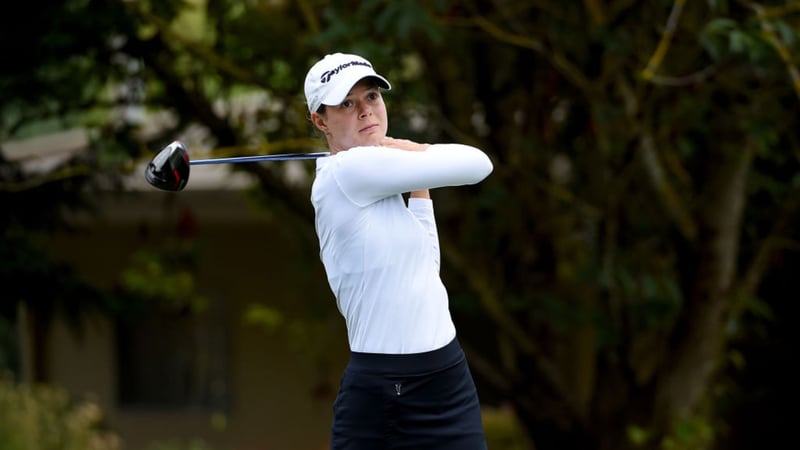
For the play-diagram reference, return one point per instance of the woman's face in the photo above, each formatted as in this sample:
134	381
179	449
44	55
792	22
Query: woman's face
360	120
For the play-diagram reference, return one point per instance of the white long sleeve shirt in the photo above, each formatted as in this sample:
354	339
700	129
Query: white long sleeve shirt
381	256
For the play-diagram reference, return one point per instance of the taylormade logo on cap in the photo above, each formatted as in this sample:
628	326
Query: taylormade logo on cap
329	81
326	77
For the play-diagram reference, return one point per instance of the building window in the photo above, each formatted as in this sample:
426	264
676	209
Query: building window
9	347
173	360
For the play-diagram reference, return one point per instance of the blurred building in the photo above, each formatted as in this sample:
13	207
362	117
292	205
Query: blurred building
252	365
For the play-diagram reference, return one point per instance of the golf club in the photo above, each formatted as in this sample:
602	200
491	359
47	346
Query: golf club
169	169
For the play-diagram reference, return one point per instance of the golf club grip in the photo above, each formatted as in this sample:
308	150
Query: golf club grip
257	158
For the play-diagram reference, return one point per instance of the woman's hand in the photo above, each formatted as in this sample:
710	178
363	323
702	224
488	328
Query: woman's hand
404	144
411	146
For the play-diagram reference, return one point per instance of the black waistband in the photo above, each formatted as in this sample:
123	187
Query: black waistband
406	364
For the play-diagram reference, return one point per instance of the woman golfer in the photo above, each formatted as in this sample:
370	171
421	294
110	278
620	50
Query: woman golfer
407	384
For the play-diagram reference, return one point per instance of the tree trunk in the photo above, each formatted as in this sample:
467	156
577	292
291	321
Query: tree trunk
698	340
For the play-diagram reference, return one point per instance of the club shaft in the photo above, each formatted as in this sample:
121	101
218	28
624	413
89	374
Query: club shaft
257	158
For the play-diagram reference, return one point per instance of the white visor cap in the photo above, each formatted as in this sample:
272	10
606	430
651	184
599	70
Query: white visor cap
329	80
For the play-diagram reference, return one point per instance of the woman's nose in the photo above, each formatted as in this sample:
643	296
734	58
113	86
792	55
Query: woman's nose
365	112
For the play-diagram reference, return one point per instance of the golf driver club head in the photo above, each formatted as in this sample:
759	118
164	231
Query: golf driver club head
169	169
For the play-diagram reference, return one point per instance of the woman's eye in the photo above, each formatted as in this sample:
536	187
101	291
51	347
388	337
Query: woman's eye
347	104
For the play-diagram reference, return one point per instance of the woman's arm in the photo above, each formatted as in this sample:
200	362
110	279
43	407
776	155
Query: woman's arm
426	194
405	144
422	209
368	174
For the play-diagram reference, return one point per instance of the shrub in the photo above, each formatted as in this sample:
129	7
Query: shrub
44	417
195	444
503	431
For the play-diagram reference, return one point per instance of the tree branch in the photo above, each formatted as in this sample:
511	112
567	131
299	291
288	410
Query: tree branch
500	315
666	40
58	175
758	266
596	11
648	155
685	80
487	370
309	13
773	12
676	208
268	148
772	38
558	60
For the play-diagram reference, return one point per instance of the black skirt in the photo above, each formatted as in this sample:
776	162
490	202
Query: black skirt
415	401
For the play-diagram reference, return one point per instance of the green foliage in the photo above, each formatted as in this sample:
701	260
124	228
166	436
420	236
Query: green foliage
724	37
163	277
58	70
193	444
304	334
389	22
689	434
42	417
502	430
264	316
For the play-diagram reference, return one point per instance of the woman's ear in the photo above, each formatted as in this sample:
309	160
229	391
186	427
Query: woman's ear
319	122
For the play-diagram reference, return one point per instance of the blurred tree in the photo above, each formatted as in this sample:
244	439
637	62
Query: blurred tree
62	64
645	169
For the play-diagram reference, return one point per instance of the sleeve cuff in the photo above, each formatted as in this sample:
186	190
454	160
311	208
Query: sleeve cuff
420	204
